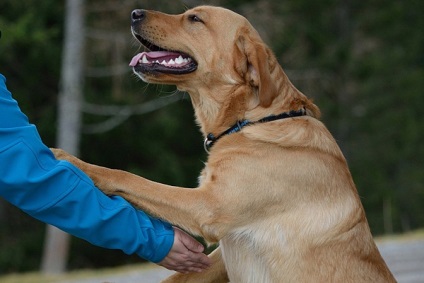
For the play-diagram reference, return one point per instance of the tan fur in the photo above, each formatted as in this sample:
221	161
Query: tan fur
278	196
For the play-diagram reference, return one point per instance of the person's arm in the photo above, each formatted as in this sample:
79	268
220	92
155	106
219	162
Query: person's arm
58	193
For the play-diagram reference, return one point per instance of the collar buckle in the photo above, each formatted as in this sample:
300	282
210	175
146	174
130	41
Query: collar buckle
209	140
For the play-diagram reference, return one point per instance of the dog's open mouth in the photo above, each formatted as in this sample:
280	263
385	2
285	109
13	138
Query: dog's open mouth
160	60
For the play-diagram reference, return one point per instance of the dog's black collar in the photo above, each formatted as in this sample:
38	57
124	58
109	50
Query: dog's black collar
211	139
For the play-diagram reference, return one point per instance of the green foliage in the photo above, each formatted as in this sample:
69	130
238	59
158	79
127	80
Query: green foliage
20	240
390	129
30	50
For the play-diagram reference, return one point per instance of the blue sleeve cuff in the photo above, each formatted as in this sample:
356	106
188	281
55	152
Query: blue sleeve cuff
164	233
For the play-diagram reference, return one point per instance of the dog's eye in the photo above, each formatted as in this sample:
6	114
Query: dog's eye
195	18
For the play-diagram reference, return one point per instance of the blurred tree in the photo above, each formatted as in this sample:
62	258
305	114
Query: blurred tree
387	117
57	242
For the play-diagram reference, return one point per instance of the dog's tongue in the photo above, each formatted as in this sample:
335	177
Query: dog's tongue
152	55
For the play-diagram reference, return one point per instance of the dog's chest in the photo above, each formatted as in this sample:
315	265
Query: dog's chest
242	262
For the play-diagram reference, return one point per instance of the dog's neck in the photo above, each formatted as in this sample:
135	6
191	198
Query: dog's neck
216	112
237	127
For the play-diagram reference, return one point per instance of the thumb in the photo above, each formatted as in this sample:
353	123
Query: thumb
189	242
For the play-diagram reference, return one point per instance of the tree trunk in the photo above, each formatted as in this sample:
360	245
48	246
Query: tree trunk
57	242
387	215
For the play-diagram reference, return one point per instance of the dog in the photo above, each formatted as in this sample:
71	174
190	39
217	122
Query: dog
276	191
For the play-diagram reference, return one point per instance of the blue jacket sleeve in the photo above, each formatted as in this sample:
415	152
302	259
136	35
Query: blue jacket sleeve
58	193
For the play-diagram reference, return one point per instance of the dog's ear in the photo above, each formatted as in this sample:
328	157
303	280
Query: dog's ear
256	66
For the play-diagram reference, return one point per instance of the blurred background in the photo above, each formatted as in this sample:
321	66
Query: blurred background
362	62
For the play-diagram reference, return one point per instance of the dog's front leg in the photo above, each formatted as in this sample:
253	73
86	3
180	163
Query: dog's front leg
191	209
216	273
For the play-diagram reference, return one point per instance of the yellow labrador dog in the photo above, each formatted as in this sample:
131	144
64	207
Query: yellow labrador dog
276	192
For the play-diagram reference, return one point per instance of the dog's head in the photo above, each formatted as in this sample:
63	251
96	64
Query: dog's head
212	53
202	43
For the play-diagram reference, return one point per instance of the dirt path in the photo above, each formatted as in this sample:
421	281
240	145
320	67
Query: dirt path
405	259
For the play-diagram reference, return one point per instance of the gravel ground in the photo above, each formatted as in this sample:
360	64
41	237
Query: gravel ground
405	259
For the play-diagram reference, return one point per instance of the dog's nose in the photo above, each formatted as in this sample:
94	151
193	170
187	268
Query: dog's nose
138	15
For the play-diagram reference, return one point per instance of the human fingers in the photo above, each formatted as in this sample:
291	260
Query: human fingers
181	258
183	263
196	256
189	242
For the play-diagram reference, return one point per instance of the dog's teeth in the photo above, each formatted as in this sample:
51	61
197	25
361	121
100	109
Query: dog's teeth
172	62
144	60
179	60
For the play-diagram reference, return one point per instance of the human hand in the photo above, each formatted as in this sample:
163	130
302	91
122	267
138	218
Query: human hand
186	254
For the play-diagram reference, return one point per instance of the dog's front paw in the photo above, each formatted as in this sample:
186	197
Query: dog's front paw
60	154
96	173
